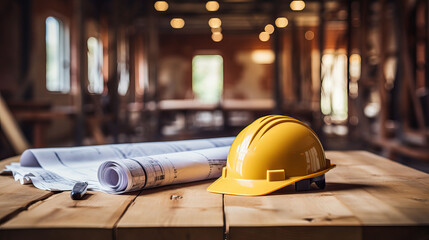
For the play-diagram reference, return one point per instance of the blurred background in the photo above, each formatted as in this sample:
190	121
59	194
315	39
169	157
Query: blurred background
79	72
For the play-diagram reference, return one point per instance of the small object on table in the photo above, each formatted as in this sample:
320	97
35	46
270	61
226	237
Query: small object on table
79	190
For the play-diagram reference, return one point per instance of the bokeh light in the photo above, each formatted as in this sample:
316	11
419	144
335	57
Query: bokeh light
297	5
177	23
217	36
215	22
269	28
263	56
212	6
161	6
309	35
264	36
281	22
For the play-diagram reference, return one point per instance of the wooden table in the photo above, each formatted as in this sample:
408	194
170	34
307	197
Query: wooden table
367	197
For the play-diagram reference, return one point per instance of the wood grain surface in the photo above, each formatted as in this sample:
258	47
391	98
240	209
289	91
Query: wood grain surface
367	197
15	197
184	211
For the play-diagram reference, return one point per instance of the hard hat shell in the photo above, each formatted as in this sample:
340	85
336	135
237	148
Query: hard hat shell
272	152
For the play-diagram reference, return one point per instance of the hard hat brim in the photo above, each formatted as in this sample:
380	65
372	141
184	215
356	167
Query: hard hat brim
246	187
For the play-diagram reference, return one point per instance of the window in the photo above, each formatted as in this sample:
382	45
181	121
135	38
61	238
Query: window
124	72
95	63
334	86
57	56
207	78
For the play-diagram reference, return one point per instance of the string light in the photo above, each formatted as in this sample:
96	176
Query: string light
281	22
161	6
177	23
264	36
297	5
217	36
215	22
269	28
212	6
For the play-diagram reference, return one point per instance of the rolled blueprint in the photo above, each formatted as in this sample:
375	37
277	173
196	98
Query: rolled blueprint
126	175
60	168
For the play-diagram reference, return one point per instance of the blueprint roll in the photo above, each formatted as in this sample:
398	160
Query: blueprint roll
58	169
127	175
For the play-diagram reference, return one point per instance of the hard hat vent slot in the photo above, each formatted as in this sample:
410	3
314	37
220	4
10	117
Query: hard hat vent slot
270	121
224	172
276	175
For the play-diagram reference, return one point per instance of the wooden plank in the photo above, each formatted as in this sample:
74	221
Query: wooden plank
366	197
15	197
285	214
348	185
185	211
402	189
391	200
60	217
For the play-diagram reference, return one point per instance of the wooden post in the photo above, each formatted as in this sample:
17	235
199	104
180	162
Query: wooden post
277	48
360	103
151	95
380	72
25	49
296	61
318	119
349	49
113	81
408	75
79	31
427	58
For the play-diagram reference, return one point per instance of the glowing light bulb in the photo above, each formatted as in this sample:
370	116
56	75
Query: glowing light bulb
212	6
264	36
297	5
263	56
161	6
215	22
281	22
177	23
217	36
269	28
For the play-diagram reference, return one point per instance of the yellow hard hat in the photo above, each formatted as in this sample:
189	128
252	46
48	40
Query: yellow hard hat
273	152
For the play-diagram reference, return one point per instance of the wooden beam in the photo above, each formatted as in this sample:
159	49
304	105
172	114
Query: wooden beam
11	129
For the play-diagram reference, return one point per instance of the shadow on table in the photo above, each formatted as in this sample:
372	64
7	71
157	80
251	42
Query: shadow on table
330	187
177	187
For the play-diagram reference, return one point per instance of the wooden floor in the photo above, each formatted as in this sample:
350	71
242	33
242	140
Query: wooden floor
367	197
